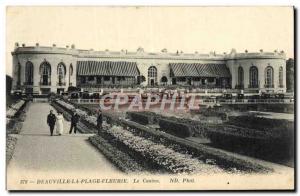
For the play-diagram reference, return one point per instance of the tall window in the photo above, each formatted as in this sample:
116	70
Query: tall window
269	77
70	73
71	69
253	76
280	77
45	72
152	76
241	77
29	73
61	73
18	74
164	80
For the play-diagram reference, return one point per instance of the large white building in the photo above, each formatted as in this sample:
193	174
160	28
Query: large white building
41	70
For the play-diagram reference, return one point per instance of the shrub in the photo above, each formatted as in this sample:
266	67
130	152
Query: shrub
144	118
139	118
175	128
272	127
225	160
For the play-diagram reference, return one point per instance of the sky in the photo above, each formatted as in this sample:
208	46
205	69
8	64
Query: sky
186	29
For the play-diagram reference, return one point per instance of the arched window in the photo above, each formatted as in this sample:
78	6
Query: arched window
18	71
241	77
71	70
45	72
253	77
269	77
164	80
280	77
70	74
29	73
152	76
61	73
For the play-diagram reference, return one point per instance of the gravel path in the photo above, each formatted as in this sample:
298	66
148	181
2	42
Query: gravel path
37	152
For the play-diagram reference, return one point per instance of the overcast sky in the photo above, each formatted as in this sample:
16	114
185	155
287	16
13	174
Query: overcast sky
186	29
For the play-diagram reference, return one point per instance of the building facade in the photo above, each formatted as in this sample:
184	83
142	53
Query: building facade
41	70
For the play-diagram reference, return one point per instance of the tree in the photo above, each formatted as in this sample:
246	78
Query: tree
8	84
141	79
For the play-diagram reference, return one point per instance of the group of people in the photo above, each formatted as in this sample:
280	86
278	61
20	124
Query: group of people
53	120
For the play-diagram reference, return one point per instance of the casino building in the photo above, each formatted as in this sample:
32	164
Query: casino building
41	70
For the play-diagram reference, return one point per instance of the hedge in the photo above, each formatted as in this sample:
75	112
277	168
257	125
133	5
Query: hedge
175	128
223	159
143	118
273	127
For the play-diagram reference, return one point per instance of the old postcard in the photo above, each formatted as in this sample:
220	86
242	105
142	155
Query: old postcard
150	98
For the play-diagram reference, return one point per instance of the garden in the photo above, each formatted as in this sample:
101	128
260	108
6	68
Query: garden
134	147
268	139
15	116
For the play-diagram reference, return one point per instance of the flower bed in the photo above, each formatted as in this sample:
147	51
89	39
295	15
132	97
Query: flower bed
14	108
10	147
14	127
163	156
147	151
15	117
225	160
182	127
266	139
87	124
119	158
138	141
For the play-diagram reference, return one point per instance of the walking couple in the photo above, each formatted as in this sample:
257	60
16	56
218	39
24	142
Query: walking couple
58	120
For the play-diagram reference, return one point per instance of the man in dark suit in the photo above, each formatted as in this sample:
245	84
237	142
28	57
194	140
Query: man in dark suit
51	119
74	121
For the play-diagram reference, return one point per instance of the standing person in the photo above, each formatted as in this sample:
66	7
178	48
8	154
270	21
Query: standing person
60	124
74	121
51	119
99	121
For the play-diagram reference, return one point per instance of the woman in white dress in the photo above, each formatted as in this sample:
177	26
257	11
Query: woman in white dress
59	124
